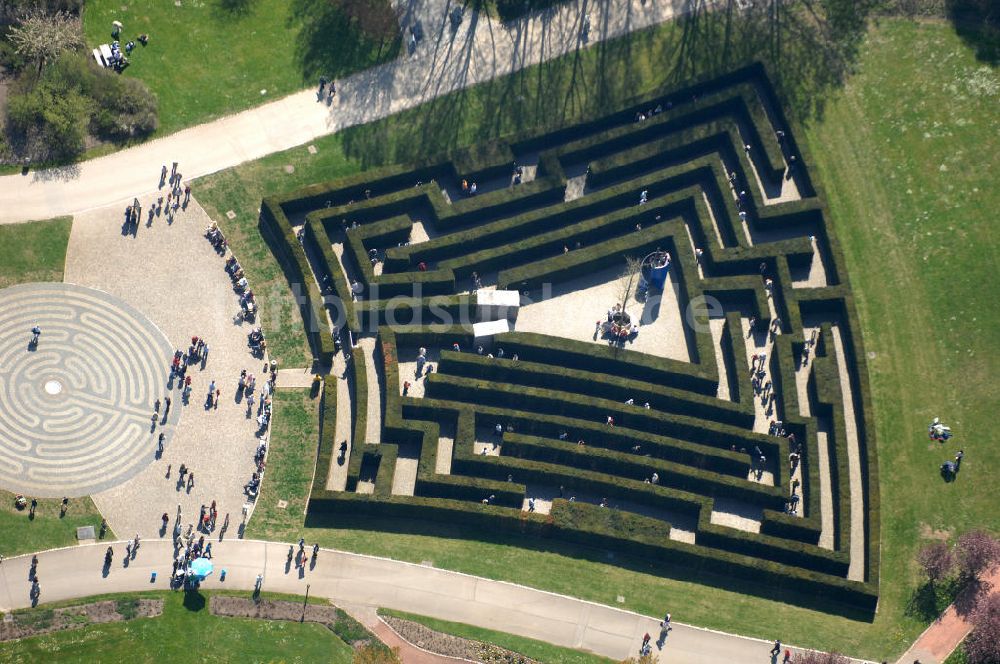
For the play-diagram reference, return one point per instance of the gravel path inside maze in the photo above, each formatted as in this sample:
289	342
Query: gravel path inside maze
172	274
76	407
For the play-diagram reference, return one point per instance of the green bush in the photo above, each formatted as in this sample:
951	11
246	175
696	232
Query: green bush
74	98
51	119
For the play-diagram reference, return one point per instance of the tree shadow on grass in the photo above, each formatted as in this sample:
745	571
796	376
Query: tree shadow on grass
929	600
329	44
922	603
235	8
807	56
977	23
194	601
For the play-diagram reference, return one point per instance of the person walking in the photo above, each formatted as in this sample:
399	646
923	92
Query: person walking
776	650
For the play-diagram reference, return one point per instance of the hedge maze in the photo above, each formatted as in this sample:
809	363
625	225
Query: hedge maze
673	446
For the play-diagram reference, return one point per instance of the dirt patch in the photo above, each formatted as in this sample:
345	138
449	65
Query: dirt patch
33	622
454	646
926	532
241	607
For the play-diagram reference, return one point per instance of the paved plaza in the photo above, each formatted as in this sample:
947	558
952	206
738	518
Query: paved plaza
78	407
172	274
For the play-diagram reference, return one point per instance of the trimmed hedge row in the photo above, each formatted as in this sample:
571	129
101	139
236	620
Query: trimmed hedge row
656	447
826	392
477	489
404	311
598	358
341	306
738	106
774	577
327	436
592	409
638	468
611	386
360	398
387	231
769	548
587	260
454	249
808	527
615	523
291	256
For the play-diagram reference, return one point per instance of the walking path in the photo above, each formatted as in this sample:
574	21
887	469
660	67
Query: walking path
408	652
354	579
480	50
337	479
946	633
856	571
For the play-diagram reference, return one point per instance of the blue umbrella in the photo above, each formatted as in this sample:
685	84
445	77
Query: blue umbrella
201	567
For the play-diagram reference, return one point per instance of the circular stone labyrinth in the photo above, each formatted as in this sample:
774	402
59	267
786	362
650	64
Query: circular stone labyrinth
75	410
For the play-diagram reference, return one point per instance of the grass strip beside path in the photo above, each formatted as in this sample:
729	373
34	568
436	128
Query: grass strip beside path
185	623
19	534
290	462
537	650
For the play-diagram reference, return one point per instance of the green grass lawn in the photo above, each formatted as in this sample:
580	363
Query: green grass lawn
36	251
33	251
957	657
294	437
19	534
186	626
904	150
209	58
905	153
537	650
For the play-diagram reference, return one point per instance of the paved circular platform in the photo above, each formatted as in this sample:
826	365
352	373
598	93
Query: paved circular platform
75	411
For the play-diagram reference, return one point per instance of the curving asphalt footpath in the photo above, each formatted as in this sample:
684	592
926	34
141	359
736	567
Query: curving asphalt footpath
354	579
